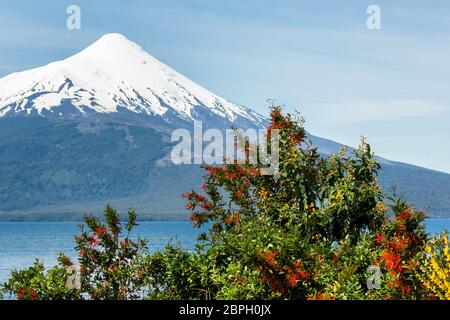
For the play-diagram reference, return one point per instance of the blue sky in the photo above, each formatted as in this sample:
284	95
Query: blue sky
390	85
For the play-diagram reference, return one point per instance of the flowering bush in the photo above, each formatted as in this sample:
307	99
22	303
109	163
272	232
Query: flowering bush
111	265
311	231
36	284
306	232
435	270
402	240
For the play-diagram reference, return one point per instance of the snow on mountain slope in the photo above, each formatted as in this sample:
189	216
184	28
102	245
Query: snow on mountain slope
113	74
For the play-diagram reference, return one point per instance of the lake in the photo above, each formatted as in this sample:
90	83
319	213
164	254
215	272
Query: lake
22	242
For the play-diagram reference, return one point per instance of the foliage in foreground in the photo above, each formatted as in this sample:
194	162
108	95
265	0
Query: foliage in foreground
315	230
436	267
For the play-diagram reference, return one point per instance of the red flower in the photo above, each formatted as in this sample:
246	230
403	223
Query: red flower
20	293
33	295
398	245
293	279
392	261
407	289
205	205
199	197
100	231
230	176
93	241
195	218
379	238
270	258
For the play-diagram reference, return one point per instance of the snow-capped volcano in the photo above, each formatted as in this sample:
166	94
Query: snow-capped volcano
114	75
92	129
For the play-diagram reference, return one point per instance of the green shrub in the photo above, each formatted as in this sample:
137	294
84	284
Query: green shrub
311	231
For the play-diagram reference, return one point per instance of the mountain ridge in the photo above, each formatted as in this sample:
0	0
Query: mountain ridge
91	129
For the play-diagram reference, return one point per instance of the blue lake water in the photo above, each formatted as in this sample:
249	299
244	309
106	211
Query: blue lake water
22	242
